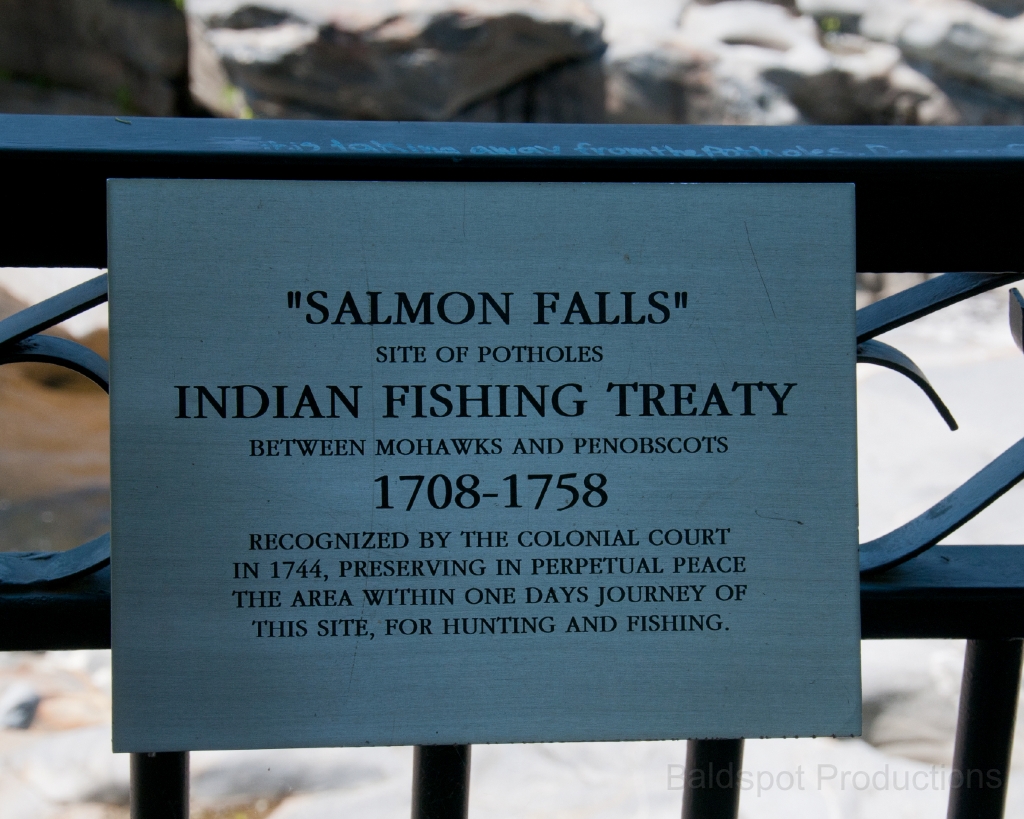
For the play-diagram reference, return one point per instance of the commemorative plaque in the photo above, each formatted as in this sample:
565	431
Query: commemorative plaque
430	462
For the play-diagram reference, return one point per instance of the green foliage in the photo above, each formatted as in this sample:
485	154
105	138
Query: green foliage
124	100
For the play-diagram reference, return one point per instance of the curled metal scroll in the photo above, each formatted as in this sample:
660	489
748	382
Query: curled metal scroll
948	515
963	503
909	305
19	341
60	351
875	352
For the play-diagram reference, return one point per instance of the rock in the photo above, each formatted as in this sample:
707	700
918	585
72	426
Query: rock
1004	8
955	39
666	81
787	4
911	692
573	92
976	105
388	800
863	83
703	69
18	705
783	778
429	60
98	54
838	16
224	779
747	62
749	23
20	97
72	766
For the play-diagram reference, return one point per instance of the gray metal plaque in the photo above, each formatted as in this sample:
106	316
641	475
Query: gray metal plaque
419	463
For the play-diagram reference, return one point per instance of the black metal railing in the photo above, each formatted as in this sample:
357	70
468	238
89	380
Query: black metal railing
927	200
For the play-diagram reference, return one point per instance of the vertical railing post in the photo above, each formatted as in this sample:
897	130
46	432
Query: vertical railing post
711	787
440	782
984	729
159	786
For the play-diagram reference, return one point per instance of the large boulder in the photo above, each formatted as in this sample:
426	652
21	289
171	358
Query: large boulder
859	82
1004	8
970	50
748	62
976	55
399	59
93	56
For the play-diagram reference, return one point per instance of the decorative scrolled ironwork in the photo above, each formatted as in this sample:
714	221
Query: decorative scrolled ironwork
60	351
875	352
925	298
54	310
909	305
959	506
946	516
20	341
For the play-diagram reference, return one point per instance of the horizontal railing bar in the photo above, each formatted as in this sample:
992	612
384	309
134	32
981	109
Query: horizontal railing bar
962	592
69	615
313	140
954	592
928	200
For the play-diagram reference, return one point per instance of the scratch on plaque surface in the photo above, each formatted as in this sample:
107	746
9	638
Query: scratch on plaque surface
759	273
774	517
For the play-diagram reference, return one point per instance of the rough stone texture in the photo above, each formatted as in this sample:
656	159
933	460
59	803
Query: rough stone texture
863	83
21	97
788	4
973	51
18	704
432	60
977	56
749	62
1004	8
572	92
667	61
93	56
